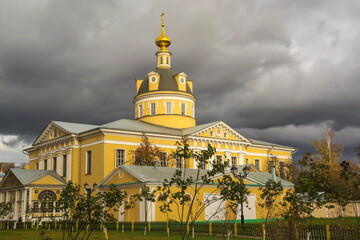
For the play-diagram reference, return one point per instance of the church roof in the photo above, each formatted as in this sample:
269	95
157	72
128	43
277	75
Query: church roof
151	174
258	142
139	126
74	127
167	82
26	176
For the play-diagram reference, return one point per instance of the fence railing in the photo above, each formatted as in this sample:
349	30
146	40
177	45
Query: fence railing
271	231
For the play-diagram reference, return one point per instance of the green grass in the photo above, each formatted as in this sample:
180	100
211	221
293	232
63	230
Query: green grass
98	235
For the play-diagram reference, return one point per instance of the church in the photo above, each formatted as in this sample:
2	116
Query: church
164	112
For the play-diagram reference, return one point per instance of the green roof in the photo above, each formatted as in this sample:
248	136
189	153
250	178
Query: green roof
198	128
151	174
75	127
258	142
139	126
26	176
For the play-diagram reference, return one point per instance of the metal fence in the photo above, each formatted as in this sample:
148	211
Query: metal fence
271	231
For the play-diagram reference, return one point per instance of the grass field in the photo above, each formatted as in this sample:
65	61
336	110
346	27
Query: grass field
97	235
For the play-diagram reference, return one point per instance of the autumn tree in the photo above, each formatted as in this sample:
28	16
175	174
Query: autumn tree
146	153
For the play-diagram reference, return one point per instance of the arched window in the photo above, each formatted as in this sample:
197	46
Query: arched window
47	195
47	199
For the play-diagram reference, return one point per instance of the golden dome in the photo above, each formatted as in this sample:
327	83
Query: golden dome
163	41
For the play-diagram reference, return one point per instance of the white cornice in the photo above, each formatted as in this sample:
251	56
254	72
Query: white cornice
155	96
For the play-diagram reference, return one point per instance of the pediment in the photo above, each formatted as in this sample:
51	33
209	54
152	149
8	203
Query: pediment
119	176
47	179
10	180
52	131
220	130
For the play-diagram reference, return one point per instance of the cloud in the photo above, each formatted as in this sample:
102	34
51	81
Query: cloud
260	66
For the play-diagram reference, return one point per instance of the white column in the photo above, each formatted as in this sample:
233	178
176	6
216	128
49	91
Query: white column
68	165
30	198
15	207
23	208
241	158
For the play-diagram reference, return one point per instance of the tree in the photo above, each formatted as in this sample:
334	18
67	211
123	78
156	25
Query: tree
182	193
326	150
146	195
270	194
5	209
87	210
146	153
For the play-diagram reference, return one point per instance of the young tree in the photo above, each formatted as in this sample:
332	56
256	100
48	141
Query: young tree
270	194
5	209
146	153
175	191
87	210
147	196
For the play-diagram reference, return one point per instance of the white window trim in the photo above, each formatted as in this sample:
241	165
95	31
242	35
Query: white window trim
140	110
171	107
151	104
116	156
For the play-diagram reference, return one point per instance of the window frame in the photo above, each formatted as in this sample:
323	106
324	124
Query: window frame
54	164
232	160
64	165
141	110
163	159
118	160
259	163
88	163
169	108
183	109
152	108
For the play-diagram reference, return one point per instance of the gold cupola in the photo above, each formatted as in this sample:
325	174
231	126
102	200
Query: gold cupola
163	41
163	55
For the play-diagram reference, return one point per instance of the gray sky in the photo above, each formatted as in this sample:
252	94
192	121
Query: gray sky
274	70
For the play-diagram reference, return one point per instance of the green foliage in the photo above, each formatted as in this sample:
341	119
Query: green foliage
269	194
190	207
234	192
86	209
5	209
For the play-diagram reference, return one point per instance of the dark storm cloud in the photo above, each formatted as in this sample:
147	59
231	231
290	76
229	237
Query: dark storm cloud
275	70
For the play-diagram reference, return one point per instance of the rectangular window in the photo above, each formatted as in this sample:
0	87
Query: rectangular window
233	161
141	110
247	161
218	159
88	162
178	162
257	163
168	108
51	207
270	165
193	111
57	207
37	166
163	159
152	108
183	108
120	157
36	207
54	163
64	165
45	164
4	197
282	169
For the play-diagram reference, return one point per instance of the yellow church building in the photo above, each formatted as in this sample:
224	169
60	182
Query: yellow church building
164	108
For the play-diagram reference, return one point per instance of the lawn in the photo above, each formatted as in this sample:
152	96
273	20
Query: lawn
97	235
